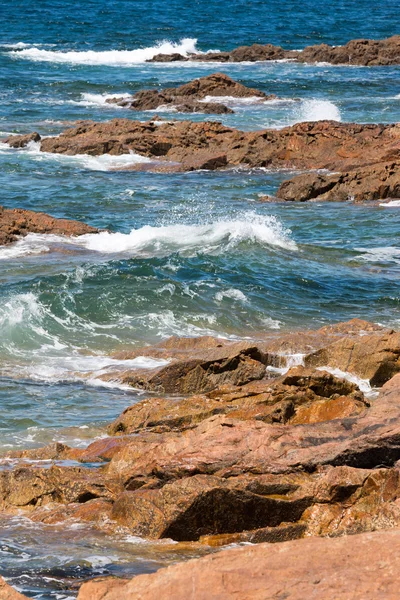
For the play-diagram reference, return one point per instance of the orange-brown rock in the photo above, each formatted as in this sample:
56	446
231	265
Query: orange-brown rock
17	222
374	182
195	506
375	356
9	593
190	96
362	52
348	568
236	364
20	141
318	145
356	52
301	396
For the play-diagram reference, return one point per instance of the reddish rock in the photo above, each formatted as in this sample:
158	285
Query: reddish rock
21	141
17	222
356	52
374	182
347	568
362	52
317	145
189	97
375	356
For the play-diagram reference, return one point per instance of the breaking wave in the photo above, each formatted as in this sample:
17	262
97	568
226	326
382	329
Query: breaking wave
112	58
318	110
104	162
149	241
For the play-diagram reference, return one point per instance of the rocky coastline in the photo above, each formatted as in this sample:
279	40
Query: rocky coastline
361	52
361	162
285	446
237	446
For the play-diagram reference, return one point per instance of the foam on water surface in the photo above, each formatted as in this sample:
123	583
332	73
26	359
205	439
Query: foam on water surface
112	58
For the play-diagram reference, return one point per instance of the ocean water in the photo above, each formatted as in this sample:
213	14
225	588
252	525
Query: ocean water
186	254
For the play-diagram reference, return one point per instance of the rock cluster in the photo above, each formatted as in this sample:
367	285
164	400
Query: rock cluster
344	147
195	96
245	452
17	222
361	52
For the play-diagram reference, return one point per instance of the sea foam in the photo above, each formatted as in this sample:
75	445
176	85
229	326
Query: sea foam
112	58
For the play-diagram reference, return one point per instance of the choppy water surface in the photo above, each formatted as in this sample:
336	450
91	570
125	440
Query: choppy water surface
185	254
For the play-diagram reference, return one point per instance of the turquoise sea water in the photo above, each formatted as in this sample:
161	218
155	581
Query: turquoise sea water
188	254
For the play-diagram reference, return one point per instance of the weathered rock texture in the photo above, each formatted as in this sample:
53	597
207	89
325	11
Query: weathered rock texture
361	52
349	568
377	182
17	222
190	97
319	145
255	458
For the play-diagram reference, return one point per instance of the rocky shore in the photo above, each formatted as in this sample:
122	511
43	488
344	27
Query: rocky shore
365	158
360	52
238	446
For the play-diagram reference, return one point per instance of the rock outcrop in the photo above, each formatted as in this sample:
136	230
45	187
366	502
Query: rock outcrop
376	182
318	145
277	457
349	568
195	96
361	52
17	222
356	52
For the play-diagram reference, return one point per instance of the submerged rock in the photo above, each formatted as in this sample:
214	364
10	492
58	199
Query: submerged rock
17	222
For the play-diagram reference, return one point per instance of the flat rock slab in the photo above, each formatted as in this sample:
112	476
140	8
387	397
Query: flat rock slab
355	567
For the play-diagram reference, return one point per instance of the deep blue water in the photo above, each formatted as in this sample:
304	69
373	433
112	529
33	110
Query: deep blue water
189	254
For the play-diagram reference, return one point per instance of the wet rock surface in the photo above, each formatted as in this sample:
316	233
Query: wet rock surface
17	222
276	457
195	96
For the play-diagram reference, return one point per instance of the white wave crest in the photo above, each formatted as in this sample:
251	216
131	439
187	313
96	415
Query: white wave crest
112	58
98	100
318	110
189	239
105	162
231	293
380	254
391	204
149	241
